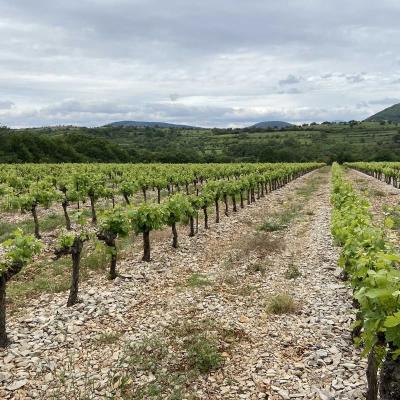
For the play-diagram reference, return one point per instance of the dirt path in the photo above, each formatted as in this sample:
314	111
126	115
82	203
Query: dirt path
208	304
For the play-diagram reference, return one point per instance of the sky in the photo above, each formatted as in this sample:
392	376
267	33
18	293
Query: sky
211	63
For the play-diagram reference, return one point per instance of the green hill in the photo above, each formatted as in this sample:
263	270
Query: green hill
327	142
144	124
388	114
271	124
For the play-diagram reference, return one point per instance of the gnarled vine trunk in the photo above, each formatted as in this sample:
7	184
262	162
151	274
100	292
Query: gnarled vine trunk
191	223
3	332
126	198
76	252
35	221
146	246
390	378
4	278
205	218
226	205
94	215
372	376
234	207
174	236
66	216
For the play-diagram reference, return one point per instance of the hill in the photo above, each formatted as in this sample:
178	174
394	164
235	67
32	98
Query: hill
365	141
271	124
144	124
388	114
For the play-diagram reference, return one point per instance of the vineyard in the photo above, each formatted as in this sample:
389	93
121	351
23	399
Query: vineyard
200	281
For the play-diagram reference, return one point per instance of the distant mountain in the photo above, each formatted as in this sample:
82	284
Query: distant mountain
271	124
148	124
388	114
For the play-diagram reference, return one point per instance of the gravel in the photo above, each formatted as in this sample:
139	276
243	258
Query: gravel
305	355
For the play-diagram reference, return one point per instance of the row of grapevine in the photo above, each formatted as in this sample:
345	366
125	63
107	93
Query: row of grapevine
388	172
370	263
29	187
41	185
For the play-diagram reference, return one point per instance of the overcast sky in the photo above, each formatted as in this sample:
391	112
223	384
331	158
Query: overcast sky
204	62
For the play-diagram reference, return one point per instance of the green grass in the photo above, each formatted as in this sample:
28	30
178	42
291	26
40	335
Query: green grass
271	226
197	280
49	223
281	304
392	217
51	276
203	353
292	272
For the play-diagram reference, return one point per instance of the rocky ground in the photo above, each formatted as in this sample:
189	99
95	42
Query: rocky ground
149	334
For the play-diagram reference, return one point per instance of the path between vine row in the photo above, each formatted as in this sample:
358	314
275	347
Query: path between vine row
222	280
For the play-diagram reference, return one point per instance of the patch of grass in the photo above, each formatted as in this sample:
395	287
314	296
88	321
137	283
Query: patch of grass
197	280
392	217
246	290
261	243
54	276
256	268
108	337
292	272
46	224
372	192
204	354
281	220
232	258
186	350
271	226
230	279
282	304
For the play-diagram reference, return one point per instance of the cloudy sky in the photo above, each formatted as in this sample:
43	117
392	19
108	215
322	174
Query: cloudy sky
202	62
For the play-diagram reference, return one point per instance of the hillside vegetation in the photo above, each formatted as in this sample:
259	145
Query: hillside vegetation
365	141
391	114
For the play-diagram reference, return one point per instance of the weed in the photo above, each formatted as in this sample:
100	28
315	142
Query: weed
256	268
47	223
392	217
197	280
262	244
108	337
203	354
292	272
281	304
246	290
271	226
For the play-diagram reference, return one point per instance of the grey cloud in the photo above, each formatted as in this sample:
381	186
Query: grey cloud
74	106
174	96
290	80
6	105
124	59
357	78
385	101
290	91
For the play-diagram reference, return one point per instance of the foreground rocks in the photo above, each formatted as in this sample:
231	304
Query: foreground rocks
57	352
